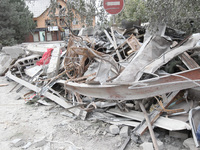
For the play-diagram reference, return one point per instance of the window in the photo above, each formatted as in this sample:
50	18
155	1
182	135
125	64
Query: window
35	21
62	23
60	6
47	22
75	21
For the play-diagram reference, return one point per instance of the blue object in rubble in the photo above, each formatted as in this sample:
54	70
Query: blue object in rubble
198	132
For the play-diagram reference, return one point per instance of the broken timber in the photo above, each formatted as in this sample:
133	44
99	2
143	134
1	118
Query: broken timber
78	112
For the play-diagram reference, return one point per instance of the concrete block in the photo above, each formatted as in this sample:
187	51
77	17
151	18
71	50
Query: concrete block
145	137
39	143
189	143
178	134
114	129
146	146
5	62
14	51
18	142
124	132
54	63
27	145
36	49
160	145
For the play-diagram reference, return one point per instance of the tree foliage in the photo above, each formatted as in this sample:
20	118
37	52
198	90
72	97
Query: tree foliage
183	15
15	21
179	14
134	10
85	9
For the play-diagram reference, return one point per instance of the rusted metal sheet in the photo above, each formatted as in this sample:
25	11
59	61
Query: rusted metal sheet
142	89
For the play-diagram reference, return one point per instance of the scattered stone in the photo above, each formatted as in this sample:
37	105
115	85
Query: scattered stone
146	137
40	143
13	51
27	145
114	129
72	148
18	142
18	97
146	146
135	138
54	63
124	132
189	143
178	134
67	114
160	144
5	62
64	122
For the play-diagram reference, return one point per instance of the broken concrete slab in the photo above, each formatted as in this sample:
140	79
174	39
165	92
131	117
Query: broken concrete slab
146	146
5	62
40	142
189	143
27	145
18	142
180	134
36	49
54	63
14	51
124	132
160	144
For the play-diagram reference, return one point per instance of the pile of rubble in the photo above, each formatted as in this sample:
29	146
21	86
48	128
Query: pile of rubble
115	71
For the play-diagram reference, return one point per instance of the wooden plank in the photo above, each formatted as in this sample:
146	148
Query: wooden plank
149	126
162	122
188	61
191	64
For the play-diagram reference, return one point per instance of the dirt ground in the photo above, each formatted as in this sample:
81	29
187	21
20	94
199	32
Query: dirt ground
51	127
35	122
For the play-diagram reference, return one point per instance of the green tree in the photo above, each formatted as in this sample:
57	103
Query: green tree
15	21
183	15
134	10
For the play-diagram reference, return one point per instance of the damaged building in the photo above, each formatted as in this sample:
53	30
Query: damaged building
145	83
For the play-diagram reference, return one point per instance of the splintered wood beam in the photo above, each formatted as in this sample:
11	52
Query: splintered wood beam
149	126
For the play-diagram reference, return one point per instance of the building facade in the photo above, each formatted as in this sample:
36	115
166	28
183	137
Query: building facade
45	31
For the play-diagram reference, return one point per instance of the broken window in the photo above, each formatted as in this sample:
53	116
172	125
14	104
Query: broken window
47	22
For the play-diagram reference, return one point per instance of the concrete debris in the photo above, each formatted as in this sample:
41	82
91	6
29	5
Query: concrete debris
115	71
114	129
5	62
14	51
189	143
181	135
18	142
124	132
27	145
40	142
146	146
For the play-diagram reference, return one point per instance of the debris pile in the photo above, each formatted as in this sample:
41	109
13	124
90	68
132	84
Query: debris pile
117	72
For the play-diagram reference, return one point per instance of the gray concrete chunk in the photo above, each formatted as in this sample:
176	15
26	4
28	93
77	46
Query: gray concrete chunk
14	51
5	62
114	129
18	142
146	146
54	63
124	132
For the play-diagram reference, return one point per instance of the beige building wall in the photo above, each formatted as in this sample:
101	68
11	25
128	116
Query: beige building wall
41	19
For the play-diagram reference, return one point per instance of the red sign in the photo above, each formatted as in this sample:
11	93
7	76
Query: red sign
113	6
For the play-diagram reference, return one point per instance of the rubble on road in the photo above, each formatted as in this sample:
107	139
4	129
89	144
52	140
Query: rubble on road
117	73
